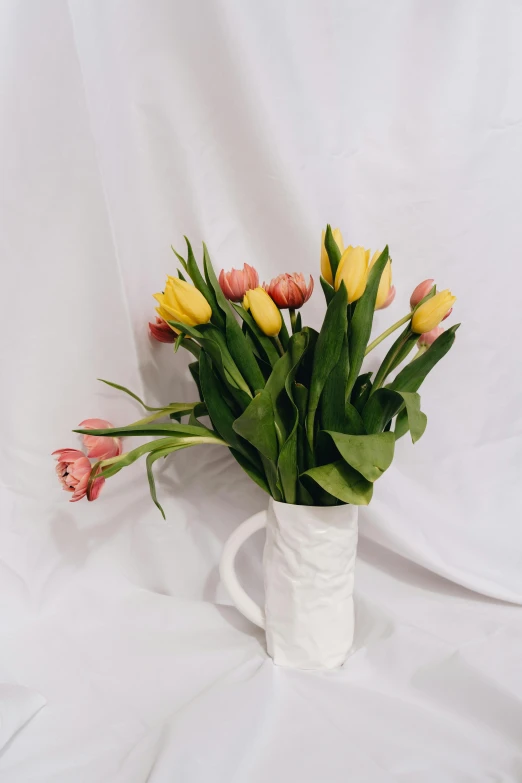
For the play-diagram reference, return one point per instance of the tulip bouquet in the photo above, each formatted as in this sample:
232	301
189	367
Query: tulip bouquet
290	403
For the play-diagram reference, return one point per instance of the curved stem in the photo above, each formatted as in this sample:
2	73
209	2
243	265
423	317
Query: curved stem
293	318
278	344
388	331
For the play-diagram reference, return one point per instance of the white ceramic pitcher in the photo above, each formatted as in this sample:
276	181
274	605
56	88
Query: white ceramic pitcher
308	565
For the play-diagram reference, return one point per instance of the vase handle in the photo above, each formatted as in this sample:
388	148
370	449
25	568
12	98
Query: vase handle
241	599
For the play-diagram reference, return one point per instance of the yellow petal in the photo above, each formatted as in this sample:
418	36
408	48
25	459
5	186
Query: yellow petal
353	271
264	311
185	303
384	285
429	314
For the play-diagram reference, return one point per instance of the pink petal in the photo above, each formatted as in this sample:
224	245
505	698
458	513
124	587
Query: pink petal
96	488
95	424
67	455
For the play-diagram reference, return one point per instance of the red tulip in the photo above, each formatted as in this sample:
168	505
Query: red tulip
237	282
428	338
421	291
100	446
162	332
73	470
290	291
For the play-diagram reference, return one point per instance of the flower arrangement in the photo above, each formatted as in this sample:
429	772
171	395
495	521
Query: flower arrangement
290	403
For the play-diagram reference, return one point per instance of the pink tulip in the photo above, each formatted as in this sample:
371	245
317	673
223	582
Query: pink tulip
237	282
389	299
428	338
290	291
73	470
162	332
421	291
100	446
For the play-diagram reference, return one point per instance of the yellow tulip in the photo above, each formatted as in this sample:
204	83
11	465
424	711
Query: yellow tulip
429	314
182	302
353	271
326	269
264	311
385	282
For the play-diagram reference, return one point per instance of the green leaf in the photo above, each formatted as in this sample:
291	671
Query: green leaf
398	351
401	424
361	323
411	377
201	284
166	428
327	354
194	371
361	391
287	462
180	258
256	425
283	332
298	322
417	420
275	385
333	398
328	290
221	415
370	455
332	249
130	393
343	482
272	478
181	277
380	409
151	459
255	474
354	422
265	343
237	344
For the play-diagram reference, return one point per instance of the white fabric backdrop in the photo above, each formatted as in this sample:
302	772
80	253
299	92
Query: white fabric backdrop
250	125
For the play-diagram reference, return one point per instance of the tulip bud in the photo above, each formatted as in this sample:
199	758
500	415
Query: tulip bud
353	271
429	314
162	332
384	283
182	302
389	299
428	338
264	311
421	291
290	291
237	282
326	269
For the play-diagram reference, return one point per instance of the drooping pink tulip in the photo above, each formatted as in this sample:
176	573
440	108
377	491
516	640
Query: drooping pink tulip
290	291
73	470
389	299
162	332
237	282
100	446
428	338
421	291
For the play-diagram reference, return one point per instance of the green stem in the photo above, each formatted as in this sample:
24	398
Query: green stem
419	353
278	344
386	334
293	318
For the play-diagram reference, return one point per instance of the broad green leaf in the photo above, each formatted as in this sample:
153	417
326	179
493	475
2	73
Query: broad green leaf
202	286
361	323
327	354
333	399
272	478
237	344
256	425
343	482
361	391
287	462
398	351
417	420
328	290
221	415
194	371
255	474
265	343
191	347
332	249
370	455
354	422
401	424
411	377
275	385
298	322
380	409
304	373
283	334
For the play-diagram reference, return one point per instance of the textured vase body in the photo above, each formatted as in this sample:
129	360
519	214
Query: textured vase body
308	565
